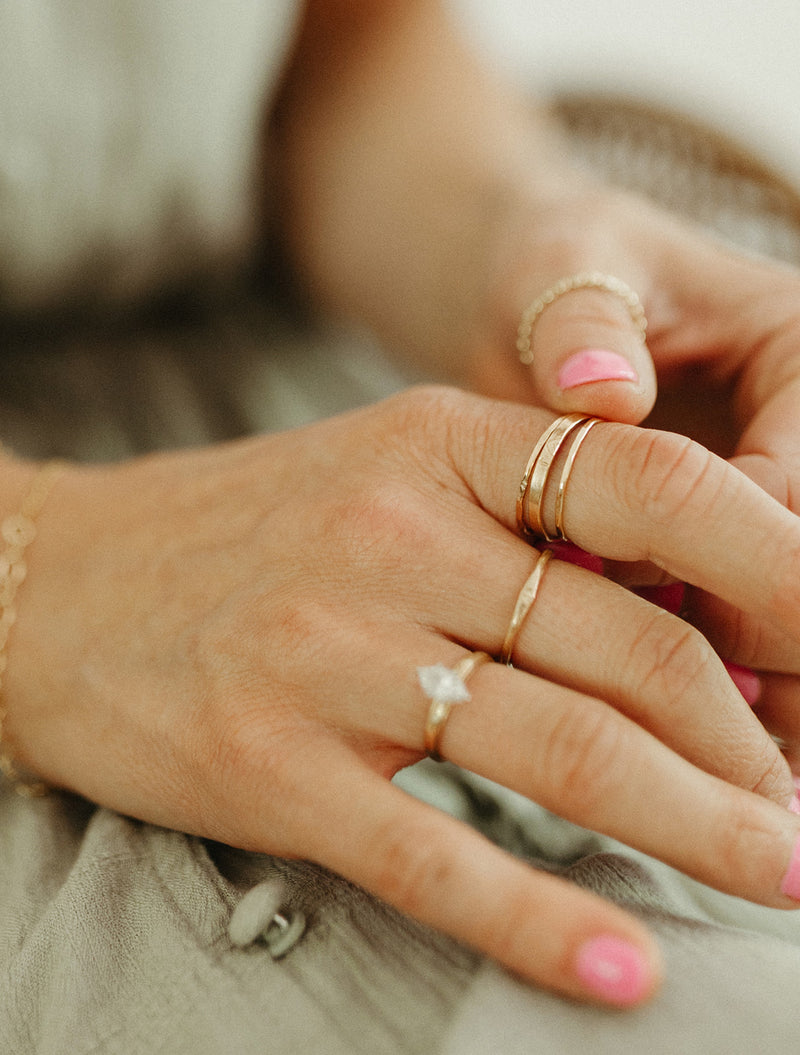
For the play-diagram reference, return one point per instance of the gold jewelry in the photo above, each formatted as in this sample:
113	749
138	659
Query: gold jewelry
566	472
537	471
445	687
18	531
583	280
527	596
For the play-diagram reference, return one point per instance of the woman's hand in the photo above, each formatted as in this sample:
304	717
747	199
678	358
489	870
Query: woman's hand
433	203
723	342
227	641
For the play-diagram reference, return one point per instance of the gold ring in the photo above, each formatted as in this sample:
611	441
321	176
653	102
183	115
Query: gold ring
530	496
580	436
527	596
583	280
445	687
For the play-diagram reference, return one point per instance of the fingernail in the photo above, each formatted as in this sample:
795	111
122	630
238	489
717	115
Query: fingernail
594	364
794	805
791	881
614	970
746	681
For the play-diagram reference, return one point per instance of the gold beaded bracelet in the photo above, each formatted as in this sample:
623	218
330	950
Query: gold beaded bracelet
18	531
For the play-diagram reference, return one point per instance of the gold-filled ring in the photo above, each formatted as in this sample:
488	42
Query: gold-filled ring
525	601
580	436
530	496
445	687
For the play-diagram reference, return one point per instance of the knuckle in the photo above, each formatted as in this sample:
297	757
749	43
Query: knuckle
387	519
736	634
249	748
227	756
672	476
427	409
504	930
666	658
300	625
770	774
748	852
585	755
413	869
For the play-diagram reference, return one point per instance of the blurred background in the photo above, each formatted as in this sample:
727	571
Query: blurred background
735	63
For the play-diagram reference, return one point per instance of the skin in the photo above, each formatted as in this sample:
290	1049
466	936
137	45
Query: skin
232	634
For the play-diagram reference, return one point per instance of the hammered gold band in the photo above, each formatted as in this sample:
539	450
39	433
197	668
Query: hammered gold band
445	687
583	280
566	471
525	600
536	477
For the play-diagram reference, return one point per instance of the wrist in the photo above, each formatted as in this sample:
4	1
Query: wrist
26	492
407	174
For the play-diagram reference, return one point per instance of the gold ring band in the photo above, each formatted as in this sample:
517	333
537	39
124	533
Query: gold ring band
583	280
445	687
525	600
530	496
566	472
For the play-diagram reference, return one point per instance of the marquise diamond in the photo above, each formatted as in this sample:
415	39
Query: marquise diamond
442	684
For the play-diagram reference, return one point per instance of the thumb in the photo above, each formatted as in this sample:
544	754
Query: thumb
583	341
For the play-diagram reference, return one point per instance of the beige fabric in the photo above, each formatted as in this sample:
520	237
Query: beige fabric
129	135
113	934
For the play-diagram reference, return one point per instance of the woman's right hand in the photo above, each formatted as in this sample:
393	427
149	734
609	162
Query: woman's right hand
232	637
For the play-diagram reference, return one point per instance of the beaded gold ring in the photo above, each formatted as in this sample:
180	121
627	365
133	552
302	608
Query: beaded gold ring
583	280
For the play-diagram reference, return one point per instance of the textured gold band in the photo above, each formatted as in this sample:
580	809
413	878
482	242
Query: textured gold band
532	486
525	600
566	472
536	477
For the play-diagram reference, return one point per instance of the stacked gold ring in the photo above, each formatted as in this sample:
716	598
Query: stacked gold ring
535	479
525	600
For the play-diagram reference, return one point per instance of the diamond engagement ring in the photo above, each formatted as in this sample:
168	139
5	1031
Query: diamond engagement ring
445	687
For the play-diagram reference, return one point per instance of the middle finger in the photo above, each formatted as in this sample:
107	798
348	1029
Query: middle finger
591	635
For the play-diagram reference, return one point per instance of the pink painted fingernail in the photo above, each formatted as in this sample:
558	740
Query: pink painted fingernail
791	881
614	970
594	364
746	681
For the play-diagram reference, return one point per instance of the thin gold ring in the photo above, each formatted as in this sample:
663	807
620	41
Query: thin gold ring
530	496
566	472
525	601
583	280
445	687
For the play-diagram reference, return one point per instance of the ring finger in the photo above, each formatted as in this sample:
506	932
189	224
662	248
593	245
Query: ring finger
589	634
581	759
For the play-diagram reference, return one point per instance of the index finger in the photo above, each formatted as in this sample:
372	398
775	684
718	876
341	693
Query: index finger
638	494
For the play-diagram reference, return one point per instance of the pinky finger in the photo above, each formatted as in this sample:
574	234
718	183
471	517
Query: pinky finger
444	874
